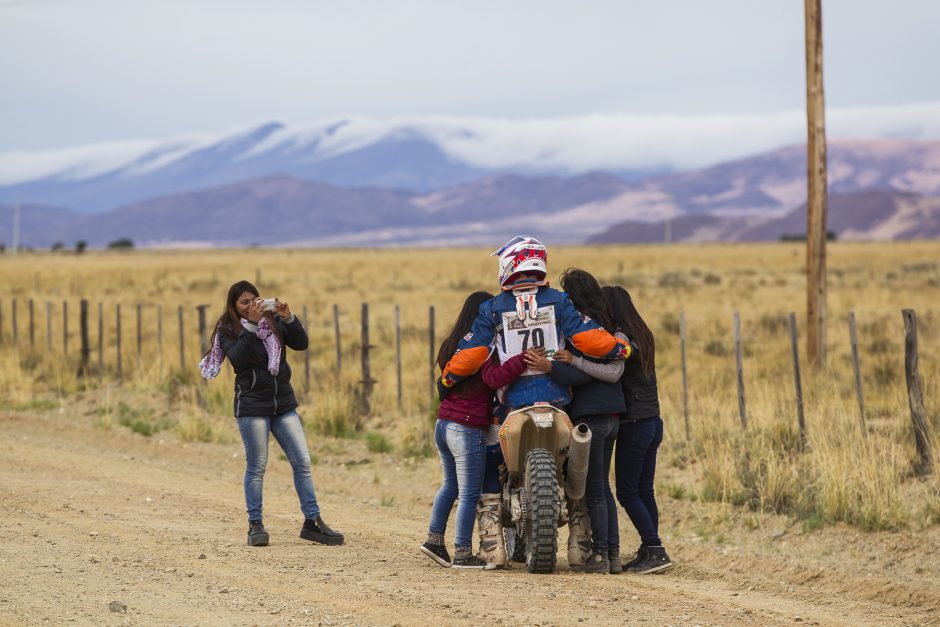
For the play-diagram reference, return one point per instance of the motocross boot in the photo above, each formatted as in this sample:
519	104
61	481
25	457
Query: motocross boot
490	526
579	535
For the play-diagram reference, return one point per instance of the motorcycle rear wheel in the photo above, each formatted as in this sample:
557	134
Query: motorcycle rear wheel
541	486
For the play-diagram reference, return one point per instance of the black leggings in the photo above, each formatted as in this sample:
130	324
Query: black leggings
635	467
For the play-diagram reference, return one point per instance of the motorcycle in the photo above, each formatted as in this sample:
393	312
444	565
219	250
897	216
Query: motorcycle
545	461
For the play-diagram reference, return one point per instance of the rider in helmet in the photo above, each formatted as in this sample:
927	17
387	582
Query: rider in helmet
553	320
526	314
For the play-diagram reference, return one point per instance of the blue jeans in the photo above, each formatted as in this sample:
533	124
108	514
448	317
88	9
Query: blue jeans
605	534
289	434
637	443
462	453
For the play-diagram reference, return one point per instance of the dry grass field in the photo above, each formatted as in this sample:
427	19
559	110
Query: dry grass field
724	487
842	477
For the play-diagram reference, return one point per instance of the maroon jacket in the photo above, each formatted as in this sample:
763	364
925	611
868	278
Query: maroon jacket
470	402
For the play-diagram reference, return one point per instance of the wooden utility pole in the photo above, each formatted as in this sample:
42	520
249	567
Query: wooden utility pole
816	190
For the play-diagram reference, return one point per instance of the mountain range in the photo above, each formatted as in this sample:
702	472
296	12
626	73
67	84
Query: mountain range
267	188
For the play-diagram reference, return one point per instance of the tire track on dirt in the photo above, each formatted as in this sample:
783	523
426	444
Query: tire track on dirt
81	533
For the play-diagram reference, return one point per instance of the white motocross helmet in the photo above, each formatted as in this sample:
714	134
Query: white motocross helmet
522	255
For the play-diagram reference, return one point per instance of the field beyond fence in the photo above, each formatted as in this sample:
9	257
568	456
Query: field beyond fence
860	466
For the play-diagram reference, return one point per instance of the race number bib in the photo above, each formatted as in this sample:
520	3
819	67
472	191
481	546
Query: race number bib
519	335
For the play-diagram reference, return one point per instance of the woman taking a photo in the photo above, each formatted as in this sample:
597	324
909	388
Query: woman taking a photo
253	335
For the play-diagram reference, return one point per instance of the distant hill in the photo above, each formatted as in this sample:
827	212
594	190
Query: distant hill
730	201
286	210
870	215
776	181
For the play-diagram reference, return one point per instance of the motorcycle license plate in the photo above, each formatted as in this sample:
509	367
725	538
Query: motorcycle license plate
542	420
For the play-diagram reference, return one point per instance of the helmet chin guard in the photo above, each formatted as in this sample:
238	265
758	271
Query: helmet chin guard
522	255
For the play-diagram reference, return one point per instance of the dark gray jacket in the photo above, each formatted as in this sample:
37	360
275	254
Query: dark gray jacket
591	396
257	391
640	393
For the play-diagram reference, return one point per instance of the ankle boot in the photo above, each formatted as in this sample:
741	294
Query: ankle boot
490	527
579	535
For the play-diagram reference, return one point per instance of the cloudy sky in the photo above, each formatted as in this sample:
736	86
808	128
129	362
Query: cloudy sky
75	72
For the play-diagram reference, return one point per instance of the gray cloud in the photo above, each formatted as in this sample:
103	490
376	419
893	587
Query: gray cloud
99	70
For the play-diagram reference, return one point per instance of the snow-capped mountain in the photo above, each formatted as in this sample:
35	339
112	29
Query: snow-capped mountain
424	154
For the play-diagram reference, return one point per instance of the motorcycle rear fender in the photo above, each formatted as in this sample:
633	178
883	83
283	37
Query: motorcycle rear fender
519	434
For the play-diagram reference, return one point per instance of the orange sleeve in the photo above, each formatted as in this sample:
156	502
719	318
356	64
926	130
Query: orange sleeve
464	363
599	343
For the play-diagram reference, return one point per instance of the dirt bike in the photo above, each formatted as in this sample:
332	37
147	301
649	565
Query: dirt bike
536	442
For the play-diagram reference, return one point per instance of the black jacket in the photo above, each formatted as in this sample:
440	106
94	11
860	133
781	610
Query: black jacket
257	391
640	393
591	396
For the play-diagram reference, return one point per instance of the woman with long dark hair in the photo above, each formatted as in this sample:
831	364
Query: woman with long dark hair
464	417
596	402
639	435
253	334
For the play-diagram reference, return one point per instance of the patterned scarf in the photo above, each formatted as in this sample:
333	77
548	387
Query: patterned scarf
211	364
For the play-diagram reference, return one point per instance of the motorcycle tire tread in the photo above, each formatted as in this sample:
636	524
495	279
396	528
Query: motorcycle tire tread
544	506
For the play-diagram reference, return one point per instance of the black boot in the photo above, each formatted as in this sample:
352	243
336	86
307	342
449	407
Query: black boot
316	530
434	548
257	535
650	559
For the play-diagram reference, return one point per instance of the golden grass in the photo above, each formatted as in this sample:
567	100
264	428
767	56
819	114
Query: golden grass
843	476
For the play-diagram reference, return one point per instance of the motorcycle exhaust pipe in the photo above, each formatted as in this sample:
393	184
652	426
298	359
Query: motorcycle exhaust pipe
578	452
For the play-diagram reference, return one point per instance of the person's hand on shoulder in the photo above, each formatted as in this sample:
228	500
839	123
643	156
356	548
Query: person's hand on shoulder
563	356
536	360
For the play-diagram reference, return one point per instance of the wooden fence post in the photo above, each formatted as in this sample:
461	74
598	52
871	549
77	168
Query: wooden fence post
856	368
117	339
203	340
140	336
179	313
685	381
739	361
32	324
339	352
86	347
101	339
915	395
14	332
797	381
398	354
433	379
306	354
160	337
65	327
367	380
48	326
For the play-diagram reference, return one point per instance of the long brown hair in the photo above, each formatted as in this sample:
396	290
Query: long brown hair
629	322
585	293
229	323
462	327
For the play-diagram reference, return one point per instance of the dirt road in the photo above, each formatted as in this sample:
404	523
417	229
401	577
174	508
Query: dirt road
91	516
